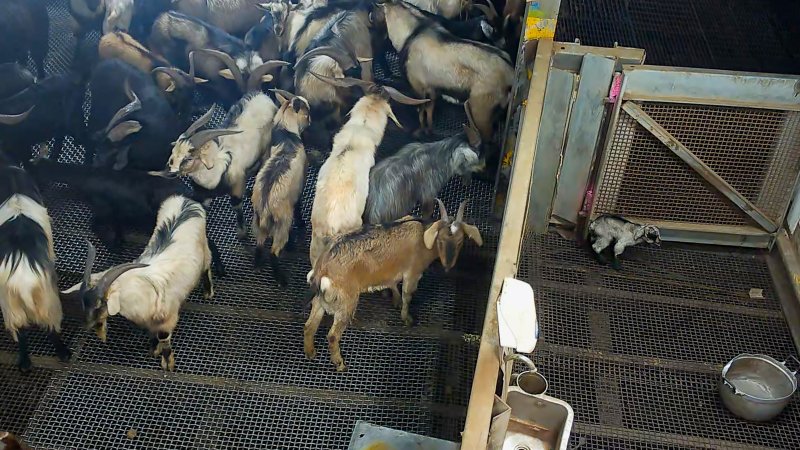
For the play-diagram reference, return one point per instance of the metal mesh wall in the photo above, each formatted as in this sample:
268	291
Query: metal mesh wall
637	353
755	151
242	380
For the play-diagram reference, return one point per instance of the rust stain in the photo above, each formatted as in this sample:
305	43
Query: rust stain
379	445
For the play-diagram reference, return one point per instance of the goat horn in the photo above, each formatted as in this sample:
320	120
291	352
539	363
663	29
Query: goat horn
460	213
125	111
286	94
201	137
345	61
345	82
442	210
104	283
175	74
229	63
402	98
91	253
489	11
199	123
191	64
255	76
13	119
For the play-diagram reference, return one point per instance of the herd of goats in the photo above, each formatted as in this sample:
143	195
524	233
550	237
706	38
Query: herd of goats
289	74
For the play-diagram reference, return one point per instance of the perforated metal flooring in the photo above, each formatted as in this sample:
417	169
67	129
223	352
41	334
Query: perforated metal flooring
242	380
637	352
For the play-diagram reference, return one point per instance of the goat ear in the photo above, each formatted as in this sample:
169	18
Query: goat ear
227	74
123	130
429	238
122	159
472	232
281	99
112	304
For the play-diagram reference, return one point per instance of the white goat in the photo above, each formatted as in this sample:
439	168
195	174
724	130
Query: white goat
219	160
119	14
151	290
343	180
607	230
28	281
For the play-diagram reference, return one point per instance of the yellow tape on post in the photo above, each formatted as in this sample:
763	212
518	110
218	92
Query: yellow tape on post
537	25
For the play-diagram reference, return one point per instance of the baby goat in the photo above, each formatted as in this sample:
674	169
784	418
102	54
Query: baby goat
218	161
28	280
607	230
343	180
279	183
379	257
418	171
151	290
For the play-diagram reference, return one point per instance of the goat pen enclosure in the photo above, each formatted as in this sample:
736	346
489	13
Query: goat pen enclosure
242	380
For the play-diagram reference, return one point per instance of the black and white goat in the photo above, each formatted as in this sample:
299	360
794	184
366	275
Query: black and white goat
437	63
343	180
279	183
607	230
28	280
14	78
263	39
418	172
151	290
218	55
133	125
218	161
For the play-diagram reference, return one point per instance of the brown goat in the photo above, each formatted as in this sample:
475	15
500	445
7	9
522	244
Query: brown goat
375	258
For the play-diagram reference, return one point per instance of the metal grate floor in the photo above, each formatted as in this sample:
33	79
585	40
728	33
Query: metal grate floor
242	380
637	352
747	35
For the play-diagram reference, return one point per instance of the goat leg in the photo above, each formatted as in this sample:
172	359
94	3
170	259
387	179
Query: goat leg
258	257
598	247
311	327
409	287
340	321
216	258
298	215
236	203
155	348
208	285
23	358
277	270
396	298
62	351
618	249
167	355
427	209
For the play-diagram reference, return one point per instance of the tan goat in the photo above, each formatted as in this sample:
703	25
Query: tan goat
376	258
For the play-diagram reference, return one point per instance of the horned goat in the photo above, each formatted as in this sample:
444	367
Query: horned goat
14	79
607	230
28	280
418	171
279	183
232	16
374	258
343	180
24	29
263	39
218	55
218	161
177	85
151	290
134	125
436	62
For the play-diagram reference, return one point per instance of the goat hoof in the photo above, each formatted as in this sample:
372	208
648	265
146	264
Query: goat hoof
340	367
24	366
311	355
408	321
168	364
241	234
616	266
208	295
64	356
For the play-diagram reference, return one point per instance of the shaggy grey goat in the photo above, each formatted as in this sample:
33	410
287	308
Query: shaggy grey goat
418	171
607	230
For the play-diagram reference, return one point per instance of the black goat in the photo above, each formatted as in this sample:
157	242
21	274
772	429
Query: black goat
24	28
134	125
14	79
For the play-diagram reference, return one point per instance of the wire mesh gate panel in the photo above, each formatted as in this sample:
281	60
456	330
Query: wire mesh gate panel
637	353
242	380
753	148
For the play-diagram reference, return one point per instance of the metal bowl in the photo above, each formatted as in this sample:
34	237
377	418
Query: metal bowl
756	387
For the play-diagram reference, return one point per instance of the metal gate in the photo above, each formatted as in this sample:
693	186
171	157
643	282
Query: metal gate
709	156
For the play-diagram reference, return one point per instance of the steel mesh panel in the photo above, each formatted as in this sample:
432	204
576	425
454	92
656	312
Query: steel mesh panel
637	352
756	151
20	395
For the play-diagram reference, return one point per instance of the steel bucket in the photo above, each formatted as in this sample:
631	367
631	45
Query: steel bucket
756	387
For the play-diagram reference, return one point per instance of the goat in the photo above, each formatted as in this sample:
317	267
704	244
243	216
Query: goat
28	280
14	79
119	14
279	182
417	172
177	85
24	29
343	180
52	107
374	258
134	124
607	230
218	55
88	15
119	200
10	442
151	290
218	161
297	25
232	16
437	62
479	28
262	38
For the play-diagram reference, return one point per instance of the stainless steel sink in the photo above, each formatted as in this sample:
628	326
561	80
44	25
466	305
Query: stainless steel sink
537	422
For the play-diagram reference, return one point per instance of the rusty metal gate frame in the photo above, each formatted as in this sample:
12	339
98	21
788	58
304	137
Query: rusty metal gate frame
700	87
